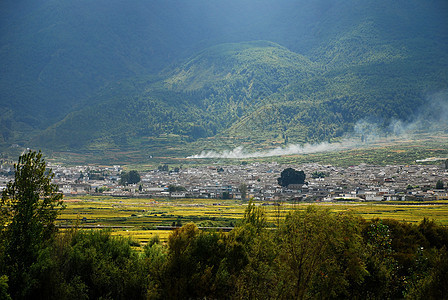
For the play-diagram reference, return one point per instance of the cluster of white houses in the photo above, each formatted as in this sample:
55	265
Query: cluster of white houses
259	180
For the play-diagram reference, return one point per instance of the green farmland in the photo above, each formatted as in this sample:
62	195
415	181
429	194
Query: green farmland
138	218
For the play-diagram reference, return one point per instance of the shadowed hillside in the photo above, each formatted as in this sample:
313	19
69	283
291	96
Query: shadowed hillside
94	75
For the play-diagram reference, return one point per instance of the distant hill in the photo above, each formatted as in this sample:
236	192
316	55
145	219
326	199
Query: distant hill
200	98
92	75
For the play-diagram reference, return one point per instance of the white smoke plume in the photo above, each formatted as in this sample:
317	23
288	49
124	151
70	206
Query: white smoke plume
431	159
432	116
240	152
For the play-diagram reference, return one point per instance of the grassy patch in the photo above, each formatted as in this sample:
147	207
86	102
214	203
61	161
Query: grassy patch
138	218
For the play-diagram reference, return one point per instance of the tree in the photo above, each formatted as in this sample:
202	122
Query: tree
4	288
164	168
380	261
29	209
134	177
176	188
226	195
319	174
130	177
439	185
252	252
319	253
291	176
243	191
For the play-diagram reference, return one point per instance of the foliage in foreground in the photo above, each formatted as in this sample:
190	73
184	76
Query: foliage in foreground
27	214
314	254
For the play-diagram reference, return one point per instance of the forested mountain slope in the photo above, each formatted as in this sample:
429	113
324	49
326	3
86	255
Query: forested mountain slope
200	98
113	74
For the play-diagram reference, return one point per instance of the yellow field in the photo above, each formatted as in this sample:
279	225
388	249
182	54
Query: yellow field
138	218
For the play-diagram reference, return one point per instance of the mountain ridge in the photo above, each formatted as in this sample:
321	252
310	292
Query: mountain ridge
150	74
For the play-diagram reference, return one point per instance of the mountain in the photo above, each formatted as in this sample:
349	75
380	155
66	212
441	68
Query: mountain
92	75
200	98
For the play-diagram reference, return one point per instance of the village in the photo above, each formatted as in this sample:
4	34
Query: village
258	181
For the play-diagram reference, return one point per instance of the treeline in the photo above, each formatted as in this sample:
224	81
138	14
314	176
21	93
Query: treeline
313	254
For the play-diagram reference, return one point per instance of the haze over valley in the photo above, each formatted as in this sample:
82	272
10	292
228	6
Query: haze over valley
207	76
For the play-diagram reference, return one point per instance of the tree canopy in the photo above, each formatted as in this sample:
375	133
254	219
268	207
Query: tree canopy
314	254
28	210
291	176
130	177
